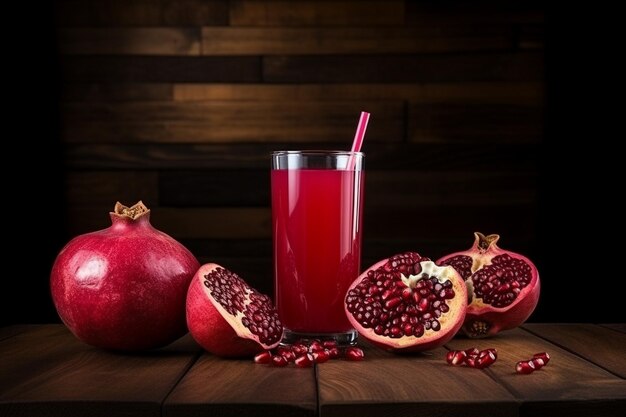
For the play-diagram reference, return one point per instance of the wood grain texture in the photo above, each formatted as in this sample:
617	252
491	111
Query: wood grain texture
475	123
386	384
10	331
519	66
382	188
102	188
568	383
385	222
604	347
181	223
401	156
215	188
620	327
159	69
139	13
315	41
520	93
240	387
291	122
124	41
48	372
478	12
107	92
316	13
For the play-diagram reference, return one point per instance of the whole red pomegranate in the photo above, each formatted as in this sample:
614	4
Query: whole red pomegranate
124	287
503	286
229	318
407	303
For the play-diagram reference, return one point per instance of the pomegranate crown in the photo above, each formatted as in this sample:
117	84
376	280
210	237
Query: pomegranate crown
134	212
484	243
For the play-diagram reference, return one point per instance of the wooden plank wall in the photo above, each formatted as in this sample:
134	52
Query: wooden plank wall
179	103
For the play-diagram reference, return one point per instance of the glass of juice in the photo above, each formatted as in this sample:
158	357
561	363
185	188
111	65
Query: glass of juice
317	205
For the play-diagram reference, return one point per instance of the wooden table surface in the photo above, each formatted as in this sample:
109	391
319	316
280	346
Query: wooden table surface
45	371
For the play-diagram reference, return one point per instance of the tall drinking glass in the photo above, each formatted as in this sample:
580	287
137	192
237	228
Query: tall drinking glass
317	205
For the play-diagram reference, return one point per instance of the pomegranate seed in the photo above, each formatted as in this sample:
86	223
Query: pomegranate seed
524	367
304	361
263	357
456	357
299	349
486	360
487	351
316	346
472	352
471	361
279	360
354	354
392	303
544	356
423	305
538	362
286	352
329	344
406	293
333	352
320	357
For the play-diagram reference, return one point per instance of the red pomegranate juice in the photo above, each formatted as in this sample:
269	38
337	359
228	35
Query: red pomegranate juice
317	245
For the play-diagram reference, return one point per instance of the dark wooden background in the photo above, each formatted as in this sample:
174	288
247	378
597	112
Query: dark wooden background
179	103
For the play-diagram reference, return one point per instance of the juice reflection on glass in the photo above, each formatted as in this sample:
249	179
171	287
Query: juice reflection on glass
317	199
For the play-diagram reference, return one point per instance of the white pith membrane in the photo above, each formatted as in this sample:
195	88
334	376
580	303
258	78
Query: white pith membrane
411	275
232	297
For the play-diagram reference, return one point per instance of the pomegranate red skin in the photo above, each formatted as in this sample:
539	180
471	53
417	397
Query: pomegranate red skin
211	329
483	320
124	287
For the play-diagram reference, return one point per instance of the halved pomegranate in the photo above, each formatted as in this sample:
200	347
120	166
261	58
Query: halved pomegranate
229	318
407	303
503	286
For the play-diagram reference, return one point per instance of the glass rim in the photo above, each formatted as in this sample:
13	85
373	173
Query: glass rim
318	152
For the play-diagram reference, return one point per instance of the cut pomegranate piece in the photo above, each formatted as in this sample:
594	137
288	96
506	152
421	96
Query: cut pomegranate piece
229	318
503	286
407	303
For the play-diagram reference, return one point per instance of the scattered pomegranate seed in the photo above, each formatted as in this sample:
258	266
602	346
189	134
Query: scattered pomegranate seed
299	349
263	357
316	346
320	357
304	361
525	367
487	351
333	352
304	353
472	352
456	357
538	362
286	353
485	360
354	354
279	360
472	357
329	344
544	356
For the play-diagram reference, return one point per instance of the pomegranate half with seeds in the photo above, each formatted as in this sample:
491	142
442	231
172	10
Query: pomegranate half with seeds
407	303
229	318
503	286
